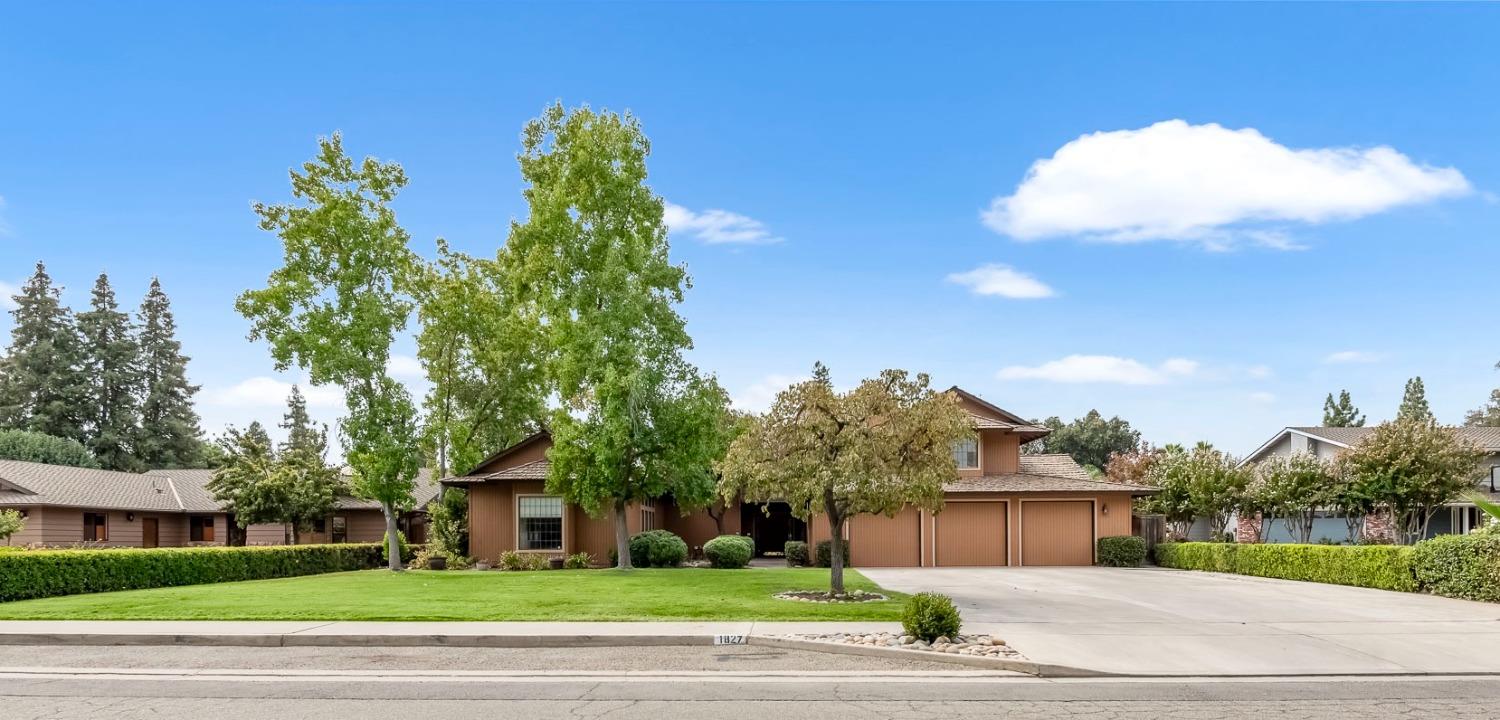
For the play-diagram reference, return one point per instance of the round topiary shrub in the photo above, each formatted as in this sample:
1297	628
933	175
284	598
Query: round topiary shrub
729	551
929	616
657	548
1124	551
796	553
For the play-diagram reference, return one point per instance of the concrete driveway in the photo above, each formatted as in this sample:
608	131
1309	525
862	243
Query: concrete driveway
1171	622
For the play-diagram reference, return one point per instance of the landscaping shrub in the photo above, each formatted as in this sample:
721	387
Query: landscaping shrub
1386	567
578	561
407	553
48	573
729	551
824	553
1126	551
929	616
657	548
796	553
1460	566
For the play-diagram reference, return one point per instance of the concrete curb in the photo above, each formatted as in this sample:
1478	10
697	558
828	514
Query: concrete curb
355	640
1021	666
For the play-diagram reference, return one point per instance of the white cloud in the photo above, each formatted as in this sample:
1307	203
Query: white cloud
405	366
1178	181
758	396
1346	357
7	290
718	227
1101	369
1259	372
1002	281
268	392
1262	398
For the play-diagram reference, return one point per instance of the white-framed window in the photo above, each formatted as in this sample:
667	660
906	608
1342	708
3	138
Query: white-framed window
539	522
966	454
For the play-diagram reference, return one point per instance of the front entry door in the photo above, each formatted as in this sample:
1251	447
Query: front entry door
148	533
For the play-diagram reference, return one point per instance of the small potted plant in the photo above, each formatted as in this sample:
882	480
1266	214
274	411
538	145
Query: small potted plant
556	563
437	562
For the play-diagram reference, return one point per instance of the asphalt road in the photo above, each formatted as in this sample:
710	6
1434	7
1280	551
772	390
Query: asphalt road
197	683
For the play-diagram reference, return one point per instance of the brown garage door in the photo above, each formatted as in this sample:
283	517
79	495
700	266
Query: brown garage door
1057	532
880	541
971	533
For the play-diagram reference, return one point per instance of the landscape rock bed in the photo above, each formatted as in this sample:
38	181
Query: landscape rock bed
975	645
818	596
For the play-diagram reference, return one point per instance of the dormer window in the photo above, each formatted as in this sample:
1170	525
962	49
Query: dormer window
966	454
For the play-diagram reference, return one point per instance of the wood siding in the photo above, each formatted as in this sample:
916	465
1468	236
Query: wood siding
971	534
60	526
1057	532
880	541
1000	452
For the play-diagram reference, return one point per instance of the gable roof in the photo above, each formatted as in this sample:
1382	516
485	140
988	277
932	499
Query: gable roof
1007	420
501	454
1487	438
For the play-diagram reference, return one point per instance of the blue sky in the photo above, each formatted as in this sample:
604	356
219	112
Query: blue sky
1323	216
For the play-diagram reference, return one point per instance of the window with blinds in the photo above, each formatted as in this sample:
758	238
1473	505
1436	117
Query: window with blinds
966	454
540	522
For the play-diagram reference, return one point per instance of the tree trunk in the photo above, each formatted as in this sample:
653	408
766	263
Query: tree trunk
836	545
296	534
622	538
286	530
392	538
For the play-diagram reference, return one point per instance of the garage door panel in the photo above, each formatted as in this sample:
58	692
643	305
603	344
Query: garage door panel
880	541
971	534
1057	532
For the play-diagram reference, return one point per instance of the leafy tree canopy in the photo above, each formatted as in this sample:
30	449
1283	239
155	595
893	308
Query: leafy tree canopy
1412	467
1414	403
112	363
873	450
42	383
1089	440
42	448
11	523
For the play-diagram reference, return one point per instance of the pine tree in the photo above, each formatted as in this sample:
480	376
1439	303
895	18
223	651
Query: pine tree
169	434
1414	402
42	385
1341	413
302	435
112	366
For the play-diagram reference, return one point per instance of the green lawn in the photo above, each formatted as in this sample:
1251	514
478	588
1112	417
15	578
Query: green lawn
675	594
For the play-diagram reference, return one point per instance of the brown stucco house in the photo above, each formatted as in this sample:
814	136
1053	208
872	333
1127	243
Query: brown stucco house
1003	507
167	508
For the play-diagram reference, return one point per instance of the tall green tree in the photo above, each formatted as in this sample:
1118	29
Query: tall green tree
335	306
1089	440
112	364
1487	415
885	445
1341	412
590	268
488	382
302	434
42	383
1414	406
245	486
169	436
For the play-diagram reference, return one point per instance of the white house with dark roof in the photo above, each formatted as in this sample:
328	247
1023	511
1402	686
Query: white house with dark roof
1329	442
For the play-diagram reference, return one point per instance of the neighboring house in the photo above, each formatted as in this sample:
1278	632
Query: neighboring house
353	520
167	508
1328	442
1003	508
68	505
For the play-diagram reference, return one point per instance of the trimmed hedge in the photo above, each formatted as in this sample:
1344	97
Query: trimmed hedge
729	551
48	573
1386	567
1122	551
657	548
1460	566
